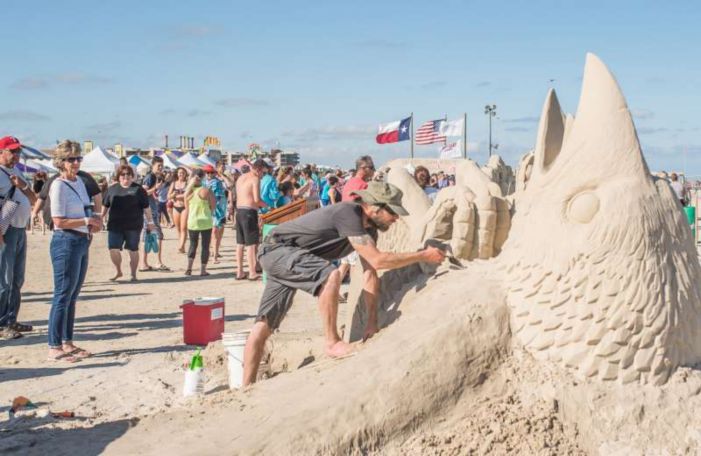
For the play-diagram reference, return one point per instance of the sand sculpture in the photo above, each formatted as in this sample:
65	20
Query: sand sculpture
500	173
471	216
602	271
600	267
593	306
523	172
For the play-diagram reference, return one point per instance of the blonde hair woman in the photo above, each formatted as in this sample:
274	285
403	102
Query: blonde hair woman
74	222
201	203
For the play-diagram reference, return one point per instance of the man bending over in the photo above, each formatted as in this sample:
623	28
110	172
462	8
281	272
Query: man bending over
297	255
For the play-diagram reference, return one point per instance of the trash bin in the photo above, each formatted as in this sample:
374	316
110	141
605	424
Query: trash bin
267	228
691	219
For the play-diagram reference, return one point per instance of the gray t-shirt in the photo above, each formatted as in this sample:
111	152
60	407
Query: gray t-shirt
68	200
324	232
24	210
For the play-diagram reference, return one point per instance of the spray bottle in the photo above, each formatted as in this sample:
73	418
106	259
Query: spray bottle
194	376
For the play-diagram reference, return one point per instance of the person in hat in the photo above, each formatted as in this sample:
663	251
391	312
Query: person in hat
216	186
298	255
13	241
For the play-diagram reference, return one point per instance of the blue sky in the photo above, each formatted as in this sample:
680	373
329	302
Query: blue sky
318	76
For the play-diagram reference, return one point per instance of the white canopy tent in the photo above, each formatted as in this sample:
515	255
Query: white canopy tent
169	161
111	155
42	165
191	161
207	159
99	162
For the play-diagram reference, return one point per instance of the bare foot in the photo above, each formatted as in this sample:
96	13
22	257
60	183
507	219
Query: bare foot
118	275
339	349
57	354
76	352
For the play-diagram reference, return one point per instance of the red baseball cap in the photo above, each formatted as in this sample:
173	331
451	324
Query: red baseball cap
10	142
208	169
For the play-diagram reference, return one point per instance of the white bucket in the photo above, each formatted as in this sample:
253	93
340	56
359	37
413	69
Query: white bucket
235	344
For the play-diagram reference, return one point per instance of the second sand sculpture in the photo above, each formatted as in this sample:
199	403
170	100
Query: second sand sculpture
601	269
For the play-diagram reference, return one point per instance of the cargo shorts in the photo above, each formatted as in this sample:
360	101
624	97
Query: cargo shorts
288	269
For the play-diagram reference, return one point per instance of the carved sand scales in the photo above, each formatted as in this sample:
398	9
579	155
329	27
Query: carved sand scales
602	271
589	266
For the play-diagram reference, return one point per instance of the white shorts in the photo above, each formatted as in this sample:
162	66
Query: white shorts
351	259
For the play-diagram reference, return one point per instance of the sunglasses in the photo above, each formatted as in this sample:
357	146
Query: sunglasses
74	159
125	175
389	210
16	151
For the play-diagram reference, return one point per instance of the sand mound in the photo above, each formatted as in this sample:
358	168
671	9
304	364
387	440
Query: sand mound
443	347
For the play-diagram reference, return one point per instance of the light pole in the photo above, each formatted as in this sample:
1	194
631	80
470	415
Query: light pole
490	111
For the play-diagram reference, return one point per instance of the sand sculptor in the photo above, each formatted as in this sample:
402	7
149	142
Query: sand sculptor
297	255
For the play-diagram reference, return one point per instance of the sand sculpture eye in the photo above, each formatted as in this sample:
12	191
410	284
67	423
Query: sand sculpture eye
583	207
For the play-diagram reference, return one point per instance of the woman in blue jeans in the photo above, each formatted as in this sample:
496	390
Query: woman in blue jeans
74	222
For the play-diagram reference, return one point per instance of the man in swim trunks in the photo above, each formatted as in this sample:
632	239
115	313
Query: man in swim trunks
247	232
298	255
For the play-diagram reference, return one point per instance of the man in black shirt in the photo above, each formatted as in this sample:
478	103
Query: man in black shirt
297	255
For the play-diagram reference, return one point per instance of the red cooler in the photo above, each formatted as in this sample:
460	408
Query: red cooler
203	320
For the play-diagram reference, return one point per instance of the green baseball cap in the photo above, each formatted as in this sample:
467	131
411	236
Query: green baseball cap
383	193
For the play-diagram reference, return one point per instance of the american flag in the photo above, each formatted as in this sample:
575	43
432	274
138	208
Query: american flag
429	133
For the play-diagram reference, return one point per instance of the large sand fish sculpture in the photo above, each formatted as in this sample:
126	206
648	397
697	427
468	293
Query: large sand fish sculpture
598	280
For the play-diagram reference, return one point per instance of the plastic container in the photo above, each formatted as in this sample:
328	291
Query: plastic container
235	344
203	320
194	376
267	228
690	212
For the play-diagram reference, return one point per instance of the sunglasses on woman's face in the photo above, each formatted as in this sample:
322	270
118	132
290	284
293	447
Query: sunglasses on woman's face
74	159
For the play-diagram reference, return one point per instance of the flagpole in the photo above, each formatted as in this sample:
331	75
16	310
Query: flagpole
464	135
445	141
412	135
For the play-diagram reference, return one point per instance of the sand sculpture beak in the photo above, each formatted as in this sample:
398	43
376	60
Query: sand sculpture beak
599	285
600	140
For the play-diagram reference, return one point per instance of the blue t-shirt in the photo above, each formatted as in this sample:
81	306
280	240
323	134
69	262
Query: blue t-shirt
269	192
324	196
149	182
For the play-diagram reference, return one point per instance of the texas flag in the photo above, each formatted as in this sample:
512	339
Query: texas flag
393	132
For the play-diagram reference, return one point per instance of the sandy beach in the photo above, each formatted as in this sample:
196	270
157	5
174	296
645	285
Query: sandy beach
128	399
135	333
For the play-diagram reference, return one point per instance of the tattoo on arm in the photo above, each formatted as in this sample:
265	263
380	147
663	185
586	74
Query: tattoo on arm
365	239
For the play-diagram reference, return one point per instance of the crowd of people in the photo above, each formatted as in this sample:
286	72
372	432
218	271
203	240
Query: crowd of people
197	203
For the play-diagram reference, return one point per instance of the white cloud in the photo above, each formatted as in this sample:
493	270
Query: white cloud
528	119
44	82
105	126
357	132
20	115
642	114
240	102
